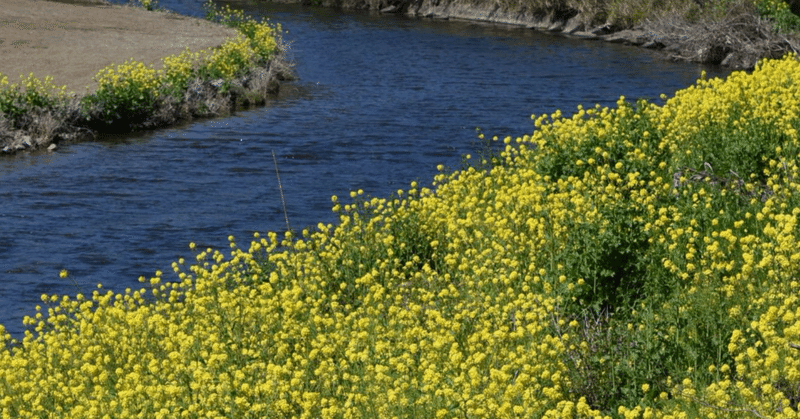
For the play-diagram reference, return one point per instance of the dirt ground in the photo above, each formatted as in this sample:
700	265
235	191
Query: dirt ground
71	40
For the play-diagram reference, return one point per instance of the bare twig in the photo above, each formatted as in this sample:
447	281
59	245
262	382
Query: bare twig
739	38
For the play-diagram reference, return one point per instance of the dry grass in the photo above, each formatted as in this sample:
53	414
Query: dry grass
739	36
708	31
622	14
627	13
39	128
617	13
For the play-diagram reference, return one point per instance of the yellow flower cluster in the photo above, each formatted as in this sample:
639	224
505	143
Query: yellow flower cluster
636	262
130	74
132	81
257	45
774	5
711	179
15	98
177	69
147	4
264	41
230	58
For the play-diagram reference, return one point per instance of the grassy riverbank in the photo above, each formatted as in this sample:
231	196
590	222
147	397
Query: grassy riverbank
243	71
634	261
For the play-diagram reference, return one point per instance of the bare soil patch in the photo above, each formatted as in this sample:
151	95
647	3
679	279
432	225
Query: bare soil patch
71	41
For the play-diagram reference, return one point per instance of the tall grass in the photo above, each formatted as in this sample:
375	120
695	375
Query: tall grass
634	261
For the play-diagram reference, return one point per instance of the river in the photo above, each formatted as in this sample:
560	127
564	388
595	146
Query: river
380	102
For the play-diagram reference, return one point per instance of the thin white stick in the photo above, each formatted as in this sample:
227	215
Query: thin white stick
280	188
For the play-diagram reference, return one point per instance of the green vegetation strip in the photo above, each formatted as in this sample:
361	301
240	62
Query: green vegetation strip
639	261
132	95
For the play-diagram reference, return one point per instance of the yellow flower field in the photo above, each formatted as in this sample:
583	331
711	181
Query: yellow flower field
637	262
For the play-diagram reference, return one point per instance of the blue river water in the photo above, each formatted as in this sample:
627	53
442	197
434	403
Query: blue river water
380	101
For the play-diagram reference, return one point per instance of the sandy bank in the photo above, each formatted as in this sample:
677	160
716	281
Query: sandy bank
71	42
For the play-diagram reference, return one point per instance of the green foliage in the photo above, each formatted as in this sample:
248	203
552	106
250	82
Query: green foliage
16	99
227	16
778	11
125	94
261	34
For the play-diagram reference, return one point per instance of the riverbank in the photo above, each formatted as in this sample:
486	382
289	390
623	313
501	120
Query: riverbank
89	67
736	34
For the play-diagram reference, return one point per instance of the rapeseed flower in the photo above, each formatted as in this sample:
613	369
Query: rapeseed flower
30	93
594	269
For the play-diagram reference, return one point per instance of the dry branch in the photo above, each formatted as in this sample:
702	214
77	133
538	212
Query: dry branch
736	39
